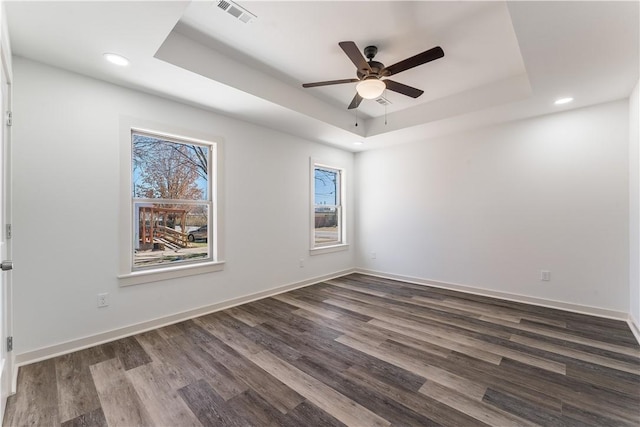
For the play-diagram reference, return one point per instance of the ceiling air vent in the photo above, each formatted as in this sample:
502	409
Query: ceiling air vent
237	11
383	101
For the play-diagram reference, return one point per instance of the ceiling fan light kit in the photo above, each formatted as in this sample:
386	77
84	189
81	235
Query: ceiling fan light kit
370	88
370	84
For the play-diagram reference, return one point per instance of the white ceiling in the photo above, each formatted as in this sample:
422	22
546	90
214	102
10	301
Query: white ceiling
503	60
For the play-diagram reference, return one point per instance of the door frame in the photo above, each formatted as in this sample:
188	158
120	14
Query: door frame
9	380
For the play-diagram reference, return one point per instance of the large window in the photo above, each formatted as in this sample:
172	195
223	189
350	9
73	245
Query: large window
171	200
328	211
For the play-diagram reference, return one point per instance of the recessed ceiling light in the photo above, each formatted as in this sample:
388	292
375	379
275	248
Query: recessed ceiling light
358	143
561	101
116	59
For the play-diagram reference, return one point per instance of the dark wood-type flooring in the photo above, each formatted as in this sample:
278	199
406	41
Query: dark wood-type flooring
356	351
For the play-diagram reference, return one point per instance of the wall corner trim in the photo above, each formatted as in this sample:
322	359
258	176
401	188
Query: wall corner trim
126	331
635	327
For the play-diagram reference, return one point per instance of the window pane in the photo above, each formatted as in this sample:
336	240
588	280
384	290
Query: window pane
327	227
169	170
326	187
170	233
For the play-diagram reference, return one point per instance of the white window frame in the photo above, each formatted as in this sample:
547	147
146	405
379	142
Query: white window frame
341	206
128	273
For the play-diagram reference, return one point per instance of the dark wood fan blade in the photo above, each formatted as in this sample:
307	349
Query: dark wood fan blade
403	89
330	82
419	59
355	101
355	56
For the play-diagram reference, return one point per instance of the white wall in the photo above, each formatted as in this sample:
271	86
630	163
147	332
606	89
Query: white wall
490	208
66	174
634	206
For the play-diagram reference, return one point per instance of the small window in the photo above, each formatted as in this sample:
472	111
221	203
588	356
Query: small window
172	201
328	213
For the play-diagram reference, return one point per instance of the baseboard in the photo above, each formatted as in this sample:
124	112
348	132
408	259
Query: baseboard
634	326
560	305
115	334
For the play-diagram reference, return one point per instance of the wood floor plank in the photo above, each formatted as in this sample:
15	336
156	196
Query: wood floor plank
592	398
371	399
522	408
129	351
613	331
169	331
318	348
221	379
77	393
220	328
419	367
257	411
484	373
509	314
210	408
324	397
391	288
430	408
604	377
356	350
356	328
592	417
307	414
633	351
296	325
160	398
309	307
479	345
272	390
369	333
577	354
471	407
173	361
37	386
367	290
247	317
476	309
434	318
373	336
479	354
119	401
316	296
93	418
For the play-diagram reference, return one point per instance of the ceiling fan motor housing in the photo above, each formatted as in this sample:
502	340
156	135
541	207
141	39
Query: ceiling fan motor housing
376	68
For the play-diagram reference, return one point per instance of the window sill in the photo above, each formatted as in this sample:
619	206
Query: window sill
328	249
147	276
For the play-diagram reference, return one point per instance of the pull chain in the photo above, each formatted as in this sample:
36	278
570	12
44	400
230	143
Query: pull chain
356	116
385	108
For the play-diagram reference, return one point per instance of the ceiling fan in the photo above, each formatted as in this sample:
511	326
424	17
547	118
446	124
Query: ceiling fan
370	73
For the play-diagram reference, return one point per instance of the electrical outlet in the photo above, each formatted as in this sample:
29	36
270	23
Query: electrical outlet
545	275
103	300
301	263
